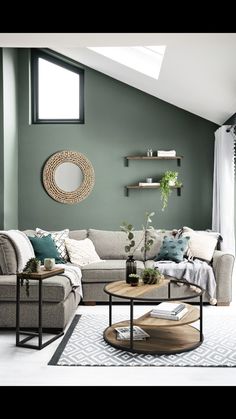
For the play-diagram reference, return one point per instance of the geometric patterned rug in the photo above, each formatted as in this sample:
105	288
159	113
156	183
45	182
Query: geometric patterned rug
83	345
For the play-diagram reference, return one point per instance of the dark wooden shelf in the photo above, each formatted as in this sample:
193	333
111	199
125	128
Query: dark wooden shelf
128	187
178	158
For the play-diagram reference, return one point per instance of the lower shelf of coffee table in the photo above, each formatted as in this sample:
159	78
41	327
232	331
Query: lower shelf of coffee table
163	340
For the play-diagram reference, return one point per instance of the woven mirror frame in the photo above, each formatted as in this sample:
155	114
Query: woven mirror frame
53	189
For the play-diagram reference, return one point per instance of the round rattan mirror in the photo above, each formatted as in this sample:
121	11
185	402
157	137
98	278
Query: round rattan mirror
68	177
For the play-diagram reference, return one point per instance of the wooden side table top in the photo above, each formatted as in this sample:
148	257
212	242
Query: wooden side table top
42	274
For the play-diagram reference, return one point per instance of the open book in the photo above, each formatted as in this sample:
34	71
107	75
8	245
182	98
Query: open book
123	333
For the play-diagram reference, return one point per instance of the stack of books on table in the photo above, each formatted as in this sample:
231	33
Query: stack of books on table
169	311
123	333
166	153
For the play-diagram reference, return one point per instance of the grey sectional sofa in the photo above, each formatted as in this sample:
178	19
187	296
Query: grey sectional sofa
60	300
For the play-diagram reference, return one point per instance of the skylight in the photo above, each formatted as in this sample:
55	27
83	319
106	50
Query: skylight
146	60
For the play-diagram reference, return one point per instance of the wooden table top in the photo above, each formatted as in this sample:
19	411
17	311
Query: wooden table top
42	274
151	292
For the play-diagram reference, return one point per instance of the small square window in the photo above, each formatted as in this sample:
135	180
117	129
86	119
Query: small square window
57	90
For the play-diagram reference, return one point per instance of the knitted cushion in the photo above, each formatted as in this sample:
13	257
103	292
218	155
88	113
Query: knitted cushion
173	249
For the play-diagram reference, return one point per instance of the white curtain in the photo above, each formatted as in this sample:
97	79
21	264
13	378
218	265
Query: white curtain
223	188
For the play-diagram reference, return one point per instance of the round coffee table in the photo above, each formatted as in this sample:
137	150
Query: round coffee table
166	336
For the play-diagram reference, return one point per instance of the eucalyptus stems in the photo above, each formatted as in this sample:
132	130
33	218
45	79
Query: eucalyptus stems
146	238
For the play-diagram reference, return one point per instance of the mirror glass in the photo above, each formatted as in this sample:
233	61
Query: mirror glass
68	176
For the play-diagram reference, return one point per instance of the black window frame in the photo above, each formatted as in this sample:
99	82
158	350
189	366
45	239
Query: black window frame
62	62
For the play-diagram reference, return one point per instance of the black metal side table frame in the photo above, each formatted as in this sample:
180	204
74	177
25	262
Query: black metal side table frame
30	334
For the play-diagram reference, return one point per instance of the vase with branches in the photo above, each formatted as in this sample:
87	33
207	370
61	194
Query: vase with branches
132	246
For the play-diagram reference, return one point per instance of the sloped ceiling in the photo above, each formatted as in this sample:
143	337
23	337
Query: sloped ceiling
198	73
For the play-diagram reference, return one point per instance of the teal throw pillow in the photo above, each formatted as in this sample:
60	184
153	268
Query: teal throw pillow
173	249
44	247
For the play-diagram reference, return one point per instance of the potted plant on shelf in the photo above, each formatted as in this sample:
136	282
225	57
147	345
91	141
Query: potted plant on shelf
151	276
130	248
167	182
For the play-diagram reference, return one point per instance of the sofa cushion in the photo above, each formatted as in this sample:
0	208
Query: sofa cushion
157	237
81	252
55	289
30	233
44	247
59	240
173	249
111	244
201	244
78	234
8	261
107	271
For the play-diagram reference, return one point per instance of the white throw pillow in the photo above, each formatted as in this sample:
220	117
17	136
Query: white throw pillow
59	240
201	244
82	252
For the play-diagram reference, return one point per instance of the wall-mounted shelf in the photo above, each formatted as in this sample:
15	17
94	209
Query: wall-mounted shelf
127	158
128	187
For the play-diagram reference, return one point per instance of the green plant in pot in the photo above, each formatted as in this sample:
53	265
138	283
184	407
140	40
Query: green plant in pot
151	276
167	182
133	279
32	265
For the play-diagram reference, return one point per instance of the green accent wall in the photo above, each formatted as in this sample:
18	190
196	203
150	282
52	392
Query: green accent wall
8	139
119	121
10	85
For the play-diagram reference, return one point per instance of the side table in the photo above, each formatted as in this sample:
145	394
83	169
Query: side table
39	276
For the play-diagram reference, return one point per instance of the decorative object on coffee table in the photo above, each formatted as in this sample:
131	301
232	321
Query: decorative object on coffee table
151	276
131	247
133	280
131	268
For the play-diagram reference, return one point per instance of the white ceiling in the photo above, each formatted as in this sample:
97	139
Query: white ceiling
198	73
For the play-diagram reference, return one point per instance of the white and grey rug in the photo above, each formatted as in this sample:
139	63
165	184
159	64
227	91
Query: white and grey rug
83	345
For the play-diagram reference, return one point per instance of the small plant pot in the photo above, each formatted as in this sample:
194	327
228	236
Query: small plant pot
133	281
151	280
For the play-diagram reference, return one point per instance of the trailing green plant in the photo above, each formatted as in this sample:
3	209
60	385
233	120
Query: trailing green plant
151	276
168	180
32	265
147	237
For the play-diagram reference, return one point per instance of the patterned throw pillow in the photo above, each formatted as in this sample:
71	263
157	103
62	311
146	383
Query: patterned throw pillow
59	240
173	249
82	252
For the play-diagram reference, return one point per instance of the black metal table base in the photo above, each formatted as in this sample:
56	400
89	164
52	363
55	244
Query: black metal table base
29	334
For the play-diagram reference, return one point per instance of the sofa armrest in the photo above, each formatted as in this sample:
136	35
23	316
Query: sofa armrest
223	264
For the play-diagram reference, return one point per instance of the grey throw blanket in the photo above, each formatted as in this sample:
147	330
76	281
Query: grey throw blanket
196	271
